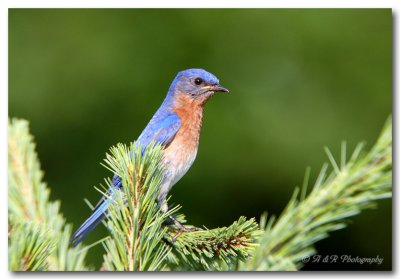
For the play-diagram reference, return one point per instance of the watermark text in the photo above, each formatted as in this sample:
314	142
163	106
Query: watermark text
330	259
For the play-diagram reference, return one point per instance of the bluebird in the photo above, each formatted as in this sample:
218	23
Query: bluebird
176	126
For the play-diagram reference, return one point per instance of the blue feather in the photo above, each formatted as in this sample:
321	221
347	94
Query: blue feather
97	216
162	128
90	223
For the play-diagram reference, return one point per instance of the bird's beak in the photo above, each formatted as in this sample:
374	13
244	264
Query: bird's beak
219	88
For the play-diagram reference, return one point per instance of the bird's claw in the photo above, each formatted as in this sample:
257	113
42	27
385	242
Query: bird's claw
182	230
181	227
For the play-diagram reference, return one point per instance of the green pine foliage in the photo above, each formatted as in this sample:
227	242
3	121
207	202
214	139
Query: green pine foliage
141	237
35	222
351	187
139	240
215	249
30	245
135	221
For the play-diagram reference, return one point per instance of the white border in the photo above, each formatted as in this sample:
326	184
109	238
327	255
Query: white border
5	4
200	4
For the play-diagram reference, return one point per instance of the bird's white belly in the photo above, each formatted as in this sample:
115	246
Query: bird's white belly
177	162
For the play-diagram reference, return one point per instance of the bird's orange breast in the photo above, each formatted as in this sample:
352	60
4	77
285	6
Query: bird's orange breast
179	155
191	114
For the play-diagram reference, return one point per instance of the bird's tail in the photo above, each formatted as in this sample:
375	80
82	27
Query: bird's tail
97	216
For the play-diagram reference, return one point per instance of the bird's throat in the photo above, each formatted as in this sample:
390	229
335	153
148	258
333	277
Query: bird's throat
190	112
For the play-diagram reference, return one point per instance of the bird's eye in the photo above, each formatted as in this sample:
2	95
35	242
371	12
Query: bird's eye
198	81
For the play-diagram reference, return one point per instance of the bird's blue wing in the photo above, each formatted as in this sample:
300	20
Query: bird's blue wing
161	129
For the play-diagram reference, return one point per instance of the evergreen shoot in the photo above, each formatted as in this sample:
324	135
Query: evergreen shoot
216	249
135	221
38	234
349	188
141	240
30	245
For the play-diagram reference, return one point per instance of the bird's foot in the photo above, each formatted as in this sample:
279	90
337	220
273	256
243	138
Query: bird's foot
182	231
181	227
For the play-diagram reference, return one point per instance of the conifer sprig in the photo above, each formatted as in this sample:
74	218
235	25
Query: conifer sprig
30	245
140	240
32	214
213	249
134	218
351	187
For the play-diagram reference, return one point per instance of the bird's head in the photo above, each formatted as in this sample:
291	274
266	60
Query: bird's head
198	84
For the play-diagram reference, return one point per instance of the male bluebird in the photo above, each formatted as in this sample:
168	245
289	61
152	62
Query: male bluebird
176	126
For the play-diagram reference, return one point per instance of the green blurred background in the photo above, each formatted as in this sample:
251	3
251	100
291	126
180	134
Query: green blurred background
300	79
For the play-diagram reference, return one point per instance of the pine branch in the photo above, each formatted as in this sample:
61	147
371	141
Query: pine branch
40	223
140	241
350	188
215	249
135	220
